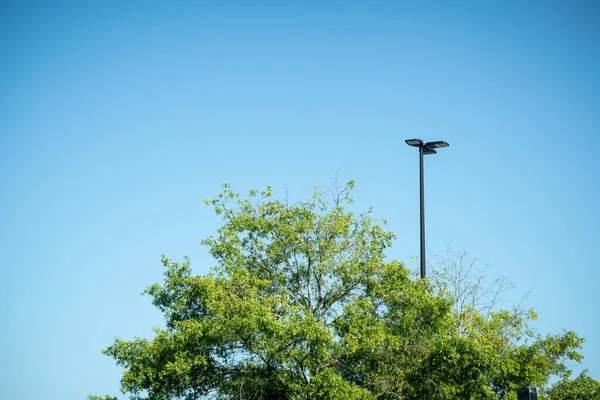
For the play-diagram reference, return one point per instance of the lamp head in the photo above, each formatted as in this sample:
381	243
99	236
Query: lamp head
436	145
414	142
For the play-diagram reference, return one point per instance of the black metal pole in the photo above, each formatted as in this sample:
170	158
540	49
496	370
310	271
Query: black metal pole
422	213
422	184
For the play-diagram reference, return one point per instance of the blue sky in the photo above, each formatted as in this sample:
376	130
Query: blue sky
118	118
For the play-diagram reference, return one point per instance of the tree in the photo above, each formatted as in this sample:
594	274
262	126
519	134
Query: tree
460	280
581	388
303	304
518	357
101	398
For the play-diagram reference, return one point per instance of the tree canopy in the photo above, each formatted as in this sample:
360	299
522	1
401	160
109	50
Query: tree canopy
304	304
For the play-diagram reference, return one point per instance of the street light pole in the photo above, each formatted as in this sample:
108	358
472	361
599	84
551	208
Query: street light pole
422	191
424	149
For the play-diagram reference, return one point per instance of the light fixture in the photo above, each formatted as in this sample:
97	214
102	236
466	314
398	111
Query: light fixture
437	145
414	142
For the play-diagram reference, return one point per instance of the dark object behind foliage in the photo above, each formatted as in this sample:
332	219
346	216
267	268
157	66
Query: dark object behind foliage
527	394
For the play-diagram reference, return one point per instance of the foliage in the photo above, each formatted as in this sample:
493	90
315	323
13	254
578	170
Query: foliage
303	304
581	388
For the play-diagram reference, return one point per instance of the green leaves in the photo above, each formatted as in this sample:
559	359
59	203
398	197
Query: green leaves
581	388
101	398
303	304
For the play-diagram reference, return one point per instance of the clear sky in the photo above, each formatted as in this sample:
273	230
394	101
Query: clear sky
118	118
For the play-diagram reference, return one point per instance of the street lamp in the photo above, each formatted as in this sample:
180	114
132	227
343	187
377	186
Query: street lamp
427	148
